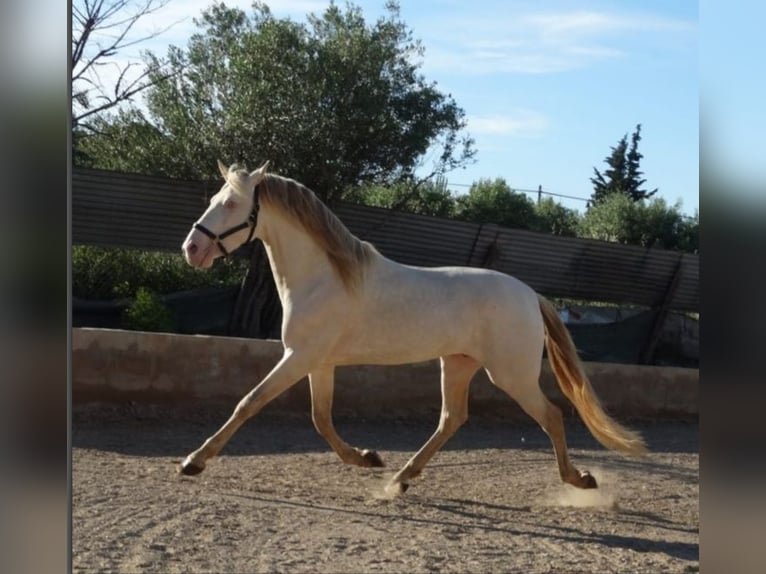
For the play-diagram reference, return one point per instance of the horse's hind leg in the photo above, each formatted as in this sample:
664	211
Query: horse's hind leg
322	382
457	371
526	391
290	369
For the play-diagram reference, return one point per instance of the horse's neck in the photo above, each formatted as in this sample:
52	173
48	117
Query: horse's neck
295	257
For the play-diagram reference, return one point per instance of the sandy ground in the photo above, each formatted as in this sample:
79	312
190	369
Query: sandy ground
278	500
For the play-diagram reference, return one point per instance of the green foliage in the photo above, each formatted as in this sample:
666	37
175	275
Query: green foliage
127	142
613	179
554	218
486	202
426	198
623	175
148	313
652	223
333	103
493	201
113	273
689	233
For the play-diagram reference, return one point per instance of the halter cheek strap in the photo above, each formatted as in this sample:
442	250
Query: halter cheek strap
252	221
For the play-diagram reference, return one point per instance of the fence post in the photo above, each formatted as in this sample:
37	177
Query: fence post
647	353
485	252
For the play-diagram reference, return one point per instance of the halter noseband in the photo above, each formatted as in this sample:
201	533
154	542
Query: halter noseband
252	221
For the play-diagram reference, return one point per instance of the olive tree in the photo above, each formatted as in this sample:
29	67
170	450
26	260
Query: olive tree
335	102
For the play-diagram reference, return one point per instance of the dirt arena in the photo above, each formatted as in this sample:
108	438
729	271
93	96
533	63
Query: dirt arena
278	500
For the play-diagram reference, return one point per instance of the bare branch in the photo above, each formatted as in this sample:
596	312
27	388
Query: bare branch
122	96
101	30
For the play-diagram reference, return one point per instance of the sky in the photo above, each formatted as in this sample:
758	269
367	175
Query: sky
733	89
547	87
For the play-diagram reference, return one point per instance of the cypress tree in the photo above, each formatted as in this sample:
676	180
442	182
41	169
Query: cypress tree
623	174
633	181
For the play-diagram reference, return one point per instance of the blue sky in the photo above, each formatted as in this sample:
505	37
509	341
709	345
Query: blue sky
547	87
733	88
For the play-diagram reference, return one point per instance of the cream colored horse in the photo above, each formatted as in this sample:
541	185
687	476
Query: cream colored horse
344	303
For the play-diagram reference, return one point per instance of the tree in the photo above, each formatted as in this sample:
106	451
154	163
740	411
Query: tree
100	30
554	218
493	201
334	103
646	223
623	175
129	144
633	181
689	233
427	198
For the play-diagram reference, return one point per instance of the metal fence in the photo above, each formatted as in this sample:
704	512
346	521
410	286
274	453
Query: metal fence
129	210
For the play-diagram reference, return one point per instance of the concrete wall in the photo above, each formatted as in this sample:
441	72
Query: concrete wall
114	365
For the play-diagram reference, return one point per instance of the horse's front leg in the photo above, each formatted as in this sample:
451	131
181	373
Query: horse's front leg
290	369
322	382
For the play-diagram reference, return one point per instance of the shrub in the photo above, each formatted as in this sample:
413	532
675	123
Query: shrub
148	313
110	272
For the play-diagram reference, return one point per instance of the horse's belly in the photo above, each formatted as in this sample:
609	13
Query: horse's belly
390	356
394	339
383	356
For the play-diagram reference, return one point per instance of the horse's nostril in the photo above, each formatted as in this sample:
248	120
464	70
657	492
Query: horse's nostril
192	248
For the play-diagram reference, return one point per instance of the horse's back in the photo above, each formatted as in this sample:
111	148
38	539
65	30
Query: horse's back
407	313
468	288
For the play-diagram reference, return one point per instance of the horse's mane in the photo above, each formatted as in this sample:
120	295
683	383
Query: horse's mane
347	254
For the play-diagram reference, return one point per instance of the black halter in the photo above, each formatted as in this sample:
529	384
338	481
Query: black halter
252	221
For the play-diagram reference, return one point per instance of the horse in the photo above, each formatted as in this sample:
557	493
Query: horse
345	303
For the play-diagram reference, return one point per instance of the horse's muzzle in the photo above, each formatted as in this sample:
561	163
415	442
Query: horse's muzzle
197	250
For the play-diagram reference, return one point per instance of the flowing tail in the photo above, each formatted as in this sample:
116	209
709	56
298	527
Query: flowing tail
575	385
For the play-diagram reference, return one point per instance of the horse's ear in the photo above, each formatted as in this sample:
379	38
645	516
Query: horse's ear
257	175
261	170
223	169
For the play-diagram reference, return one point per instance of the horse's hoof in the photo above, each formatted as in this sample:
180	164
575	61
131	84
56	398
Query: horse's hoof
372	459
588	481
188	468
396	488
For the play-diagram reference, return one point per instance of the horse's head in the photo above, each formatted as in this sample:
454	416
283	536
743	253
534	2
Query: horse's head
229	221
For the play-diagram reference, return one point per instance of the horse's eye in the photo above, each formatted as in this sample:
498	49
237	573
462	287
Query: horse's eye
229	203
